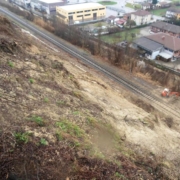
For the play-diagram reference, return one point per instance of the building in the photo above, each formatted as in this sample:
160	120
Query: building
173	12
163	4
140	17
46	6
112	19
151	48
159	45
77	13
167	28
22	3
146	5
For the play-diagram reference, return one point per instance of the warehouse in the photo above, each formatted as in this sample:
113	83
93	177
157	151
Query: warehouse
22	3
46	6
77	13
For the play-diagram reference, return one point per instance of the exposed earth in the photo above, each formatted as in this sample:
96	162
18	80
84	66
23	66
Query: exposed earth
60	119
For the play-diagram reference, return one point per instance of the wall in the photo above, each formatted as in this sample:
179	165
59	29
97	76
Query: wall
84	14
141	19
154	54
48	7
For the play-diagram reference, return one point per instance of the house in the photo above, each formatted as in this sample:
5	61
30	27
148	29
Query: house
84	12
151	48
163	4
140	17
146	5
178	16
171	29
159	45
120	23
173	12
112	19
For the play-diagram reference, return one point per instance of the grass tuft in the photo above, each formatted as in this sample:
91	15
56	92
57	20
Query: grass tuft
10	64
22	137
38	120
70	128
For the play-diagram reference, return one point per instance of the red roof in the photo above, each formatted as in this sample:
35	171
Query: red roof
120	21
166	40
139	13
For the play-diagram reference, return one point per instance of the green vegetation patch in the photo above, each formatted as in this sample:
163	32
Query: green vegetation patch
128	35
10	64
43	142
106	3
22	137
31	80
38	120
70	128
159	12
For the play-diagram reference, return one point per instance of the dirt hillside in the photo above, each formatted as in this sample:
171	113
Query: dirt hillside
61	120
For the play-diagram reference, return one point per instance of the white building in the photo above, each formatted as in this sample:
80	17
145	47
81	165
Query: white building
47	6
172	12
23	3
140	17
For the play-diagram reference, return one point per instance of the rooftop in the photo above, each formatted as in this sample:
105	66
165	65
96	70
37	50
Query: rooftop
174	9
148	44
166	40
81	6
50	1
166	26
111	17
139	13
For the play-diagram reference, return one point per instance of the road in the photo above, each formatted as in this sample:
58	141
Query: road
108	72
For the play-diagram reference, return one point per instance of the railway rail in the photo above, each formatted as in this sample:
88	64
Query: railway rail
157	102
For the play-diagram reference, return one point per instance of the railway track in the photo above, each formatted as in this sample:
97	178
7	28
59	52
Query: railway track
158	103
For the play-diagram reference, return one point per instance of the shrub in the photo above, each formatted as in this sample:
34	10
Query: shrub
70	128
21	137
46	100
31	80
43	142
38	120
10	64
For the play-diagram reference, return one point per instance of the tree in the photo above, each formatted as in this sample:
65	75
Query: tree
154	1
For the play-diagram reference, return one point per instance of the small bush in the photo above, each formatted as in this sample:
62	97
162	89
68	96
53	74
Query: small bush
10	64
38	120
21	137
31	80
46	100
118	175
59	136
91	120
43	142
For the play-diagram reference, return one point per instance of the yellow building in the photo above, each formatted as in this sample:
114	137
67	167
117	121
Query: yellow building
178	15
76	13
